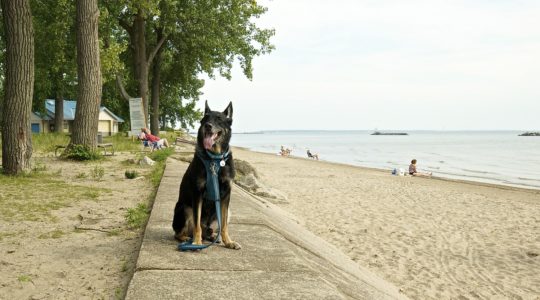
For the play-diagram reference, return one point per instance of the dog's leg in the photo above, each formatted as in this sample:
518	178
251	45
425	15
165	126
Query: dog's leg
187	230
224	228
197	231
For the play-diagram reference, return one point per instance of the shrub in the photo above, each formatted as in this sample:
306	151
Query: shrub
81	152
130	174
97	173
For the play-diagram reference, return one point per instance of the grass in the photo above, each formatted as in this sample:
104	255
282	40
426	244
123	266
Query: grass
123	143
55	234
81	175
97	173
157	171
136	217
46	142
19	202
24	278
6	235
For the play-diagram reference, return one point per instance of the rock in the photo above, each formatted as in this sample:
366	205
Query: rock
146	161
248	179
530	134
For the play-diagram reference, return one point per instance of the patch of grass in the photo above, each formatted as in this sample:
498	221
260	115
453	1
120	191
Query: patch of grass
39	167
46	142
123	143
125	266
136	217
6	235
161	155
114	232
55	234
97	173
81	175
157	171
24	278
118	293
19	202
91	194
81	153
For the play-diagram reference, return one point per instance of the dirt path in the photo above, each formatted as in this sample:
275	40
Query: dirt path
63	230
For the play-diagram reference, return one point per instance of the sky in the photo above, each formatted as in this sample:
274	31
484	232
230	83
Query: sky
391	65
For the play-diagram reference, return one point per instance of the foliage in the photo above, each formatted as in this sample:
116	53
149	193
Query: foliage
55	51
136	217
161	155
81	153
97	173
130	174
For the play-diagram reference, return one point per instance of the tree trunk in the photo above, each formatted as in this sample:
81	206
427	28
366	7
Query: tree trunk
141	59
59	113
19	86
85	125
141	65
156	82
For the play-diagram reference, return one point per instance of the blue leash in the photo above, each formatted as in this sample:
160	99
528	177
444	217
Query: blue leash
212	164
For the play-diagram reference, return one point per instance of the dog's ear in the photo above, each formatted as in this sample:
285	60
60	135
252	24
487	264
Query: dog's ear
206	107
228	111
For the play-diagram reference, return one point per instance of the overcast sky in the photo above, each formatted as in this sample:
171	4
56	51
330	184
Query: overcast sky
436	65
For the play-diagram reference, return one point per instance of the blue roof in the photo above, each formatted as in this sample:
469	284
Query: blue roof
69	110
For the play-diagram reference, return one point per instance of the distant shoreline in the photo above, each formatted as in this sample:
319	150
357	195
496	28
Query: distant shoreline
385	171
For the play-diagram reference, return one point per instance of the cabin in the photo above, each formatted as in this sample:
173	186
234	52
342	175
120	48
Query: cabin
44	122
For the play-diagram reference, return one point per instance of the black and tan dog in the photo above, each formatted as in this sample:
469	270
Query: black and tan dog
193	214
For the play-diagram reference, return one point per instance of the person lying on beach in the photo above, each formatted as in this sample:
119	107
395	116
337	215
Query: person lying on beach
285	152
310	155
154	139
413	172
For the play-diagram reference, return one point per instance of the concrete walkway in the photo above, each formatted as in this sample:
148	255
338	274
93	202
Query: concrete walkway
279	259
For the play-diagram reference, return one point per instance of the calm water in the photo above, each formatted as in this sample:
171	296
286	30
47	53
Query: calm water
500	157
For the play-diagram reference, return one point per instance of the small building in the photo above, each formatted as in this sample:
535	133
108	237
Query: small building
44	122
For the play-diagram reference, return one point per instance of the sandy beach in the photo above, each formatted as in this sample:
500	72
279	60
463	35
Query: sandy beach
433	238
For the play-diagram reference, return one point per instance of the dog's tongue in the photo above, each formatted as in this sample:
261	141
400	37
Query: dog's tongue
209	141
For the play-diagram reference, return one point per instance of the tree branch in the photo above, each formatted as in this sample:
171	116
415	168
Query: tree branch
120	86
156	49
125	25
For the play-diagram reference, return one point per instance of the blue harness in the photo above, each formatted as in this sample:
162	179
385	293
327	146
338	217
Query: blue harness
212	163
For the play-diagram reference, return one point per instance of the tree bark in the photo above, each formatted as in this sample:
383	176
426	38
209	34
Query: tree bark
156	82
19	86
141	65
85	125
59	113
141	60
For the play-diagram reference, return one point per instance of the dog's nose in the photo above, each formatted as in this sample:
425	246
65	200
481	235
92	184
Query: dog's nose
208	126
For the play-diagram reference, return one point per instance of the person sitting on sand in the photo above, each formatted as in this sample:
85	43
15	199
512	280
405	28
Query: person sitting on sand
414	172
159	143
285	152
310	155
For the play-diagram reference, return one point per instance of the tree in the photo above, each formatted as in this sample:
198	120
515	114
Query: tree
17	106
56	67
198	36
85	124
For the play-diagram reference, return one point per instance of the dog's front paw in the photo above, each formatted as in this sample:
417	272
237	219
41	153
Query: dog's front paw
233	245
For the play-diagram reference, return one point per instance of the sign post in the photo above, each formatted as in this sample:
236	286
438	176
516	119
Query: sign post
136	115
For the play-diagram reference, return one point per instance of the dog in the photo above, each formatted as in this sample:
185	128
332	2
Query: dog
193	214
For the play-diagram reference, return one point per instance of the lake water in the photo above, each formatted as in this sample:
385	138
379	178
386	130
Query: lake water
500	157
